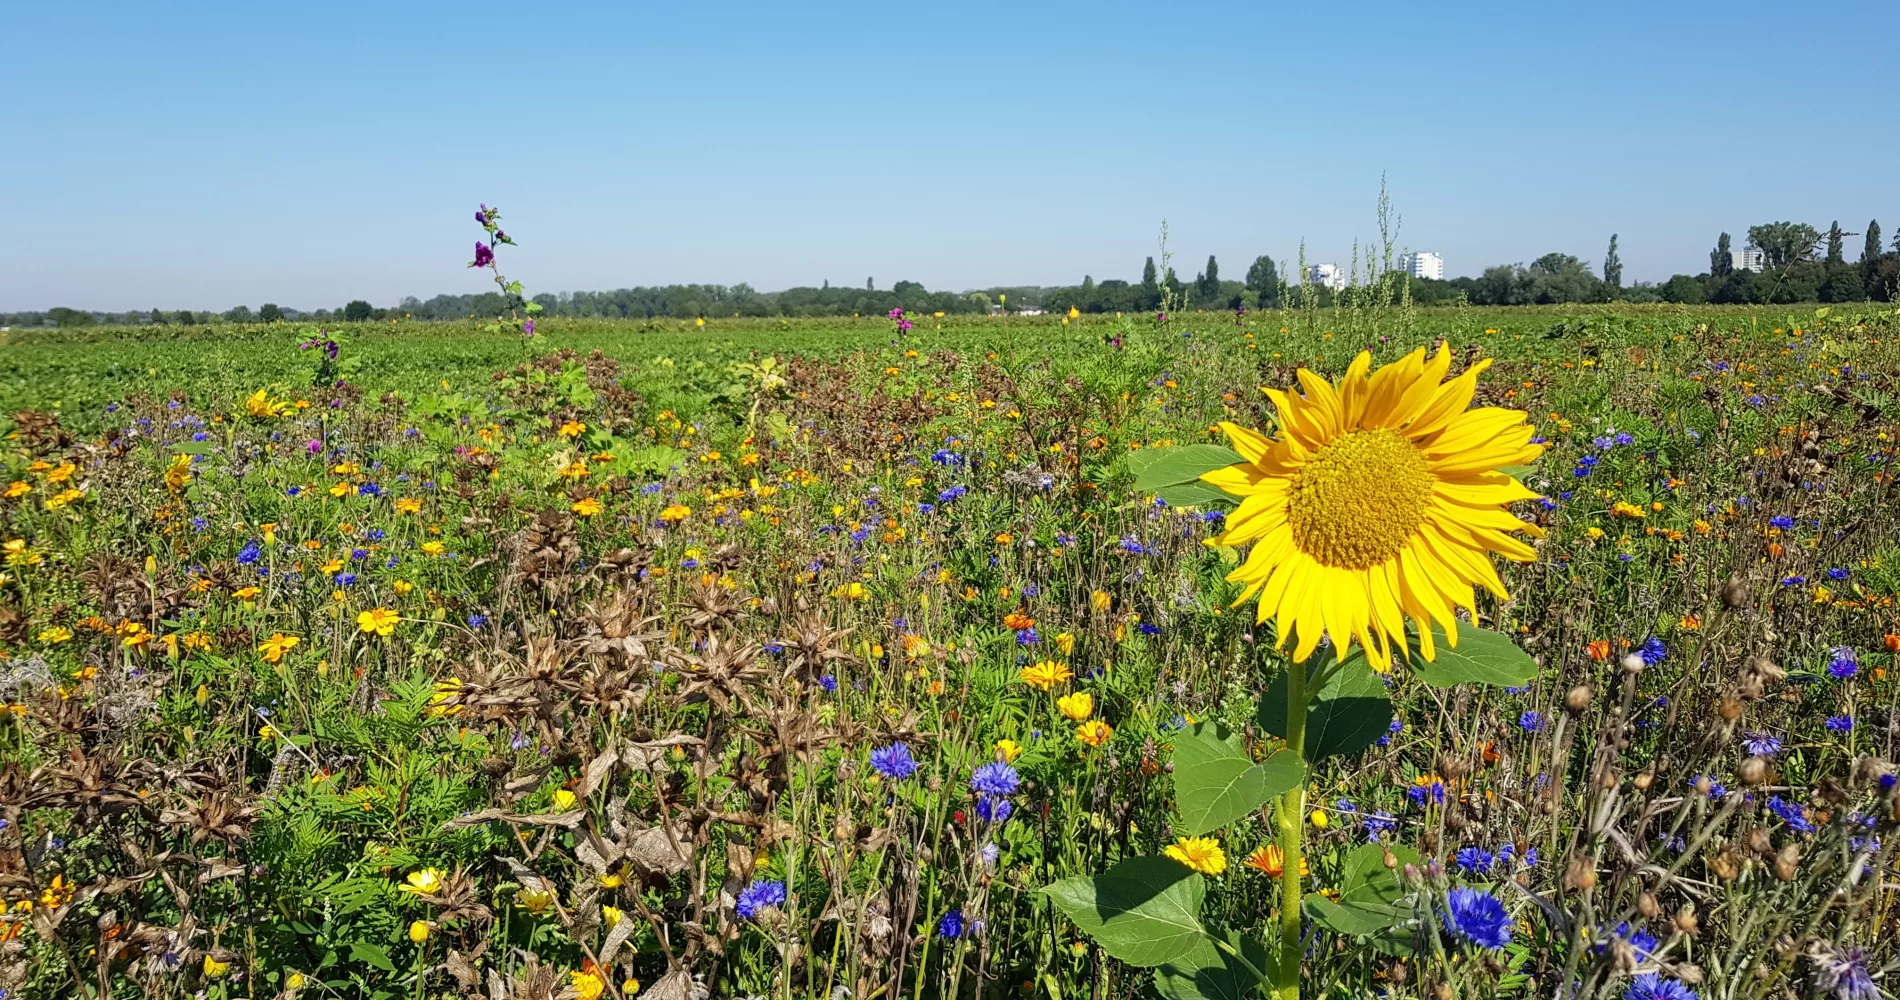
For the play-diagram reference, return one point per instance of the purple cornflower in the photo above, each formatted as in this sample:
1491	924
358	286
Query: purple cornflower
483	255
993	810
1792	813
995	779
894	761
1653	651
1761	744
1782	521
1474	860
1530	722
1843	663
1840	723
1650	986
250	553
829	683
1845	973
950	925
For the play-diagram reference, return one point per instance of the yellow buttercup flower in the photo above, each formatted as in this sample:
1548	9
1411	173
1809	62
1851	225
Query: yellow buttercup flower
419	931
563	800
1078	706
215	969
1380	499
1045	674
1203	854
381	621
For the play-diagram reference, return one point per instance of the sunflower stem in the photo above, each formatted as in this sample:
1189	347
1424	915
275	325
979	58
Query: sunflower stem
1292	806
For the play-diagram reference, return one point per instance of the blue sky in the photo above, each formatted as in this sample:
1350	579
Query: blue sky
199	155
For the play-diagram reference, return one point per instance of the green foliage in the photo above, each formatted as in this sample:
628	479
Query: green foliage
1217	782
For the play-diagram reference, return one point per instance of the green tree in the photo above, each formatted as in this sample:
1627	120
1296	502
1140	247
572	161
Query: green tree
1685	289
157	318
269	313
357	311
1150	286
1557	278
185	318
1870	251
1264	281
63	316
1721	259
1834	242
1612	268
1207	286
1783	243
238	314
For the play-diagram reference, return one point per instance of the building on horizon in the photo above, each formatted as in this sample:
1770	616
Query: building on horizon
1424	264
1748	259
1326	276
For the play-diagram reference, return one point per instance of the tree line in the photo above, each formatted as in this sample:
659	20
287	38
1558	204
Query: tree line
1782	262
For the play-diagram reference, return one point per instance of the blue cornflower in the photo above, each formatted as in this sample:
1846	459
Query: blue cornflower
1761	744
1716	788
829	683
477	620
1842	663
1653	651
1379	824
1474	860
1148	628
993	810
1477	917
894	761
1844	973
345	579
995	778
1840	723
1530	722
950	925
926	508
1792	813
1132	545
952	493
759	895
250	553
1782	521
1650	986
1028	637
1394	729
1837	574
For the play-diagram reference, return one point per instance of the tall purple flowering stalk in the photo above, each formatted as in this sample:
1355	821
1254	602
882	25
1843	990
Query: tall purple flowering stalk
490	221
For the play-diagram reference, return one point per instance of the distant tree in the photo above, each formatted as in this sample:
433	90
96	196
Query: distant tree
1741	288
156	318
1834	243
185	318
1557	278
1207	284
1264	281
1870	250
358	311
1721	259
1843	283
269	313
1612	268
1685	289
1150	286
238	314
1783	243
63	316
869	285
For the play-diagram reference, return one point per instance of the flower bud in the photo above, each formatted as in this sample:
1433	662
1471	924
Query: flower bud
1646	904
1633	664
1578	699
1787	862
1580	874
419	931
1754	771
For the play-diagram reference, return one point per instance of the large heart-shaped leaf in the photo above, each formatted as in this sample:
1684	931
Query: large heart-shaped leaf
1347	707
1217	782
1371	899
1193	495
1143	911
1208	972
1481	657
1161	467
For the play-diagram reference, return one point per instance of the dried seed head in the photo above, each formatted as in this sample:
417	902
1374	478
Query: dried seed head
1646	904
1688	973
1389	859
1763	667
1754	771
1580	874
1728	709
1735	594
1633	664
1577	700
1452	768
1757	841
1643	781
1686	921
1787	862
1725	867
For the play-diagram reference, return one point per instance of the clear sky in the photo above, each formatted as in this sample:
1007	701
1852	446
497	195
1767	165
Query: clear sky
201	155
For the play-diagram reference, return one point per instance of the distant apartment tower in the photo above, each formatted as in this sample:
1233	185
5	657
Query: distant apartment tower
1424	264
1749	259
1326	276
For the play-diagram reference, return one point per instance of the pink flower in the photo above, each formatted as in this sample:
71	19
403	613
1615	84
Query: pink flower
314	446
483	255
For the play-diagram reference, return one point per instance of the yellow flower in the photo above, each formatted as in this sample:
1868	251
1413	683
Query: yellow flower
1045	675
535	901
573	429
610	916
247	593
563	800
294	981
1077	706
1065	641
56	635
408	505
586	507
426	882
1203	854
419	931
215	969
381	621
433	548
274	648
853	591
259	404
1075	313
1094	732
64	497
20	487
1267	858
401	586
1100	600
587	985
1320	820
178	474
1008	749
19	555
676	513
1377	500
342	489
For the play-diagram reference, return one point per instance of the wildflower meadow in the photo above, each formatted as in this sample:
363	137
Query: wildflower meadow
1365	650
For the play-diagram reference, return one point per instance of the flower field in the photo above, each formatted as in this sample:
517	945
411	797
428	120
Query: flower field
1440	653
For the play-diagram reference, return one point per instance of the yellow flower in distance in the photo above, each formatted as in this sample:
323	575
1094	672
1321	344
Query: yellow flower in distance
1077	706
1380	499
426	882
1203	854
274	648
586	507
1008	749
381	621
215	969
1094	732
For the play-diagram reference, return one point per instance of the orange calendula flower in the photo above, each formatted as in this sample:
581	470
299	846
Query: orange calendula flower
1094	732
274	648
1016	621
381	621
1599	650
1269	859
1203	854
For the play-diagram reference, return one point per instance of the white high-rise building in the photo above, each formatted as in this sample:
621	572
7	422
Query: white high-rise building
1749	259
1424	264
1326	276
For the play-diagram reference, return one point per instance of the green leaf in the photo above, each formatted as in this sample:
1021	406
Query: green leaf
1481	657
1193	495
1371	899
1160	467
1347	707
370	954
1217	782
1519	472
1206	972
1143	911
195	447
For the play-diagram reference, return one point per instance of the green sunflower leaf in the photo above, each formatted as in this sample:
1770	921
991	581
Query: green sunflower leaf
1216	782
1347	708
1143	911
1155	468
1481	657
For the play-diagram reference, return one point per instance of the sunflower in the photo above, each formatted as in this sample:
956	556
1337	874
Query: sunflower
1379	499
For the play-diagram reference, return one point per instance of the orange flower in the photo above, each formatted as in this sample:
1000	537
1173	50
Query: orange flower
1267	858
1599	650
1891	643
1016	621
